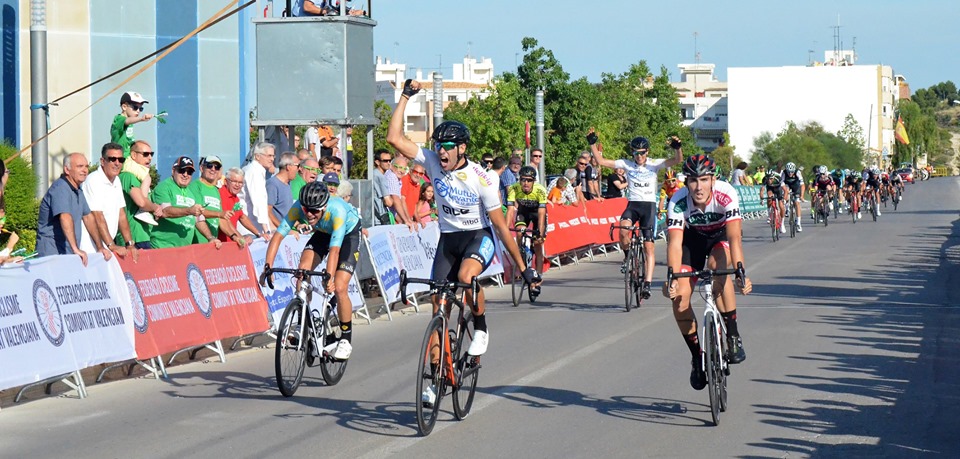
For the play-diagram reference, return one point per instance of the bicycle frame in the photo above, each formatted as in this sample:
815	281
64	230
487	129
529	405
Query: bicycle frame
305	294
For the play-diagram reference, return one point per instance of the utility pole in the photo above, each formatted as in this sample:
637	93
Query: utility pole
538	103
38	93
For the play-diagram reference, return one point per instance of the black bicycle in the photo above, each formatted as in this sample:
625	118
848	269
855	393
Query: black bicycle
634	265
321	330
516	275
791	217
443	363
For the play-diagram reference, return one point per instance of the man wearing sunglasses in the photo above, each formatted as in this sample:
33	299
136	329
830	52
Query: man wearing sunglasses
469	204
181	210
136	193
205	189
336	235
131	112
104	195
307	172
642	195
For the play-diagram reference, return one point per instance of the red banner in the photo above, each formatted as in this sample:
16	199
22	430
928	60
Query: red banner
572	227
192	295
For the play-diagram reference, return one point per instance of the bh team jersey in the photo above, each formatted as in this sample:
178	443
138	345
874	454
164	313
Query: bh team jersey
723	207
642	180
464	196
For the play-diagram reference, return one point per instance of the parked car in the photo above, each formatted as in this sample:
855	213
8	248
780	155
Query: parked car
906	174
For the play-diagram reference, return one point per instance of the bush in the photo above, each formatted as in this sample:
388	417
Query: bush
22	207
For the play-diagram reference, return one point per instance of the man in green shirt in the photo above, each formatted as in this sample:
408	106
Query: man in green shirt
131	112
136	199
181	215
309	169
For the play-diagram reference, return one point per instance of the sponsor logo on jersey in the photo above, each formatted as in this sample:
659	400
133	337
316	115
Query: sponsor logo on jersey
461	175
484	180
456	195
722	198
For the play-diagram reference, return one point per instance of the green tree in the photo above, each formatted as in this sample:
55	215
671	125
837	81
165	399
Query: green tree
496	123
851	132
22	208
383	114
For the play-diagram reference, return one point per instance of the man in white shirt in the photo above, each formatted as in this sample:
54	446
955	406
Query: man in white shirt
255	187
104	195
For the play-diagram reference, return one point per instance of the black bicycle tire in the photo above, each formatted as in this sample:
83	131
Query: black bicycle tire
516	286
873	208
464	362
639	276
332	369
427	416
627	277
295	306
710	350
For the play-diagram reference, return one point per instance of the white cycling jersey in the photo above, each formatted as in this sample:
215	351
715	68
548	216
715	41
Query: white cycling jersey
724	207
464	196
642	180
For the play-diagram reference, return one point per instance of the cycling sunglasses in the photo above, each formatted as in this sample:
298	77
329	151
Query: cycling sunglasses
446	146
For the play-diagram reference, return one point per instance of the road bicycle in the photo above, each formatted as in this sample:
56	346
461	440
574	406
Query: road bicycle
713	336
821	212
773	214
872	203
896	198
516	276
791	218
634	265
444	364
853	204
835	199
320	327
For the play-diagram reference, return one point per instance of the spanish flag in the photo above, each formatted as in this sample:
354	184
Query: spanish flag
900	132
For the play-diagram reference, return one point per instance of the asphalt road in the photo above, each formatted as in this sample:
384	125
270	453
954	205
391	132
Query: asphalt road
852	337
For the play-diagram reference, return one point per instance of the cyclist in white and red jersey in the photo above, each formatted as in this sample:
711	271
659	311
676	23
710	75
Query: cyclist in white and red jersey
704	224
642	185
468	201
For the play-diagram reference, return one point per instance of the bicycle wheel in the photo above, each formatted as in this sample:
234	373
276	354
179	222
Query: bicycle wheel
825	212
516	285
430	375
793	220
291	353
639	275
331	368
467	371
873	208
628	277
836	205
712	368
896	200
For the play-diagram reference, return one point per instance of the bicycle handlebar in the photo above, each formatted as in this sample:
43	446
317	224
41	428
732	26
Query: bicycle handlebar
633	228
708	273
439	286
324	276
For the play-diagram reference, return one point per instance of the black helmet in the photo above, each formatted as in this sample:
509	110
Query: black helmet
698	165
639	143
528	171
451	131
314	195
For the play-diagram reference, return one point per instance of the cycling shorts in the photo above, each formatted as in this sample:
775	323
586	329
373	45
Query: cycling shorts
697	247
644	213
349	249
874	183
794	186
455	247
777	192
531	220
855	186
822	187
837	182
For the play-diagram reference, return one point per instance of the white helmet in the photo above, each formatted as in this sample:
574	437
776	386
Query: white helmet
791	167
822	170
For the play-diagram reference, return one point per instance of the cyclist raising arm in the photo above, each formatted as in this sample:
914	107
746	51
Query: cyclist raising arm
337	236
468	200
642	206
704	223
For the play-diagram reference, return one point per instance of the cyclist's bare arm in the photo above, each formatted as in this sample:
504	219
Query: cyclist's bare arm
395	136
597	150
542	221
499	223
736	249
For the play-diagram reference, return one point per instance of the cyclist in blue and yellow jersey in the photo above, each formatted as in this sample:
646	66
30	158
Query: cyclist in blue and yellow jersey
527	207
336	235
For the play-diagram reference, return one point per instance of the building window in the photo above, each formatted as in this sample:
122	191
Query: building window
451	98
683	113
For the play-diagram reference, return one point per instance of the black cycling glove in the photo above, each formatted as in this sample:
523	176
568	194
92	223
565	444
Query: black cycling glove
592	138
408	90
675	143
531	276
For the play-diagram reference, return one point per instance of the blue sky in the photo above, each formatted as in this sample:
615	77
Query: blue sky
917	38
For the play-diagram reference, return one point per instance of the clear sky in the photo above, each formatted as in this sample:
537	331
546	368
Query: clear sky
917	38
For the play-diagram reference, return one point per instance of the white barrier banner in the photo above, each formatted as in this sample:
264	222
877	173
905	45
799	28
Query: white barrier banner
288	256
57	316
394	247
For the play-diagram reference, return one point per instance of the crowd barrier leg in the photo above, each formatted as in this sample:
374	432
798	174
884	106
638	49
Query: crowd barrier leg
249	338
158	371
216	347
77	385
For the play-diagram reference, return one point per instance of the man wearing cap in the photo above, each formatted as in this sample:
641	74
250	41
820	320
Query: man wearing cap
181	214
131	112
206	191
332	180
306	173
279	196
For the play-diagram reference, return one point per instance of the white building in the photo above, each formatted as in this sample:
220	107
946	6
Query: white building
470	78
703	104
766	98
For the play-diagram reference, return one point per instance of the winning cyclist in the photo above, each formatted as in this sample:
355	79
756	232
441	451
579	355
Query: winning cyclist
469	202
704	223
794	180
774	189
336	226
527	207
642	205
